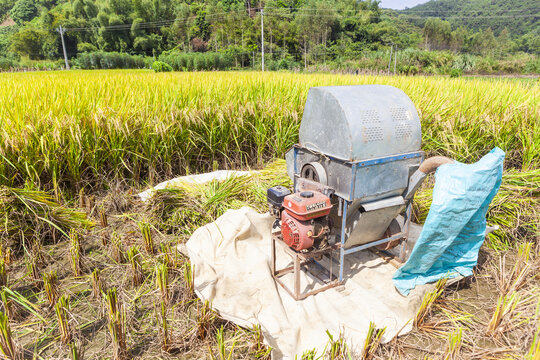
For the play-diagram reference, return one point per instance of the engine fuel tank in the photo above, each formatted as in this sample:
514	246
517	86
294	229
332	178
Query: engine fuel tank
307	205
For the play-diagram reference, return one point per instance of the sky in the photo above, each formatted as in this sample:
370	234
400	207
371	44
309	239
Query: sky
400	4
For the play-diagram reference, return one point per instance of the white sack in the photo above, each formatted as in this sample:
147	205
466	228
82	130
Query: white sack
232	270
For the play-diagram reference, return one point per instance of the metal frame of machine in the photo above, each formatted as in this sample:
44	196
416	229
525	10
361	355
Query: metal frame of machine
304	259
344	203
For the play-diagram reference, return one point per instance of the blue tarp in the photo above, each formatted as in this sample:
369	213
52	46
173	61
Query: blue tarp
455	226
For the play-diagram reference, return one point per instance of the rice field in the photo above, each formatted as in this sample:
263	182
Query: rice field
86	127
88	272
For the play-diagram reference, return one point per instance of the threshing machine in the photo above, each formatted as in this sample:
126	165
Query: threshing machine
355	170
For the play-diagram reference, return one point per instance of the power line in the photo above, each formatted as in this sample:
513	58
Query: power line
476	16
150	24
479	10
358	10
154	24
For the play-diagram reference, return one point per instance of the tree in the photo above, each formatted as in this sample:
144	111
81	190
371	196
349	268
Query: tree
147	43
122	8
143	10
483	42
23	11
91	9
201	28
315	24
5	40
29	42
459	39
503	42
5	6
176	34
437	34
529	43
78	8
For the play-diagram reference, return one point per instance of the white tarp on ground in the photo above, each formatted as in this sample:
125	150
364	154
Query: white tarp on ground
232	270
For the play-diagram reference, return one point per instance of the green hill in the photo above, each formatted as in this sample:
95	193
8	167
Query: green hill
520	17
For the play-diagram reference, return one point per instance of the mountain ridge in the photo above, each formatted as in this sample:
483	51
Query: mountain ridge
520	17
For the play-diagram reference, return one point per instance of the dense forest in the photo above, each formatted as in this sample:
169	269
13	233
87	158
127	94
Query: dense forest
297	33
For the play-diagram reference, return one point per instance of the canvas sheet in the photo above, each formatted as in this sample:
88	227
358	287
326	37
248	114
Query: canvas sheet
232	270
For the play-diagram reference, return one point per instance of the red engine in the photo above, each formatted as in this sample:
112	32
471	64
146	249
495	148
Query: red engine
304	219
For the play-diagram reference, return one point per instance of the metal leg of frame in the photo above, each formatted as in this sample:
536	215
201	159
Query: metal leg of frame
273	256
342	248
406	228
297	277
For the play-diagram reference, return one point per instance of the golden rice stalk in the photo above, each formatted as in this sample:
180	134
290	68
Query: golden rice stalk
7	344
165	250
427	303
520	273
103	218
205	318
75	253
62	314
33	271
3	273
50	285
134	257
97	284
162	281
506	304
104	239
453	349
372	342
90	202
5	255
36	252
147	237
164	330
116	324
116	249
189	281
33	214
82	199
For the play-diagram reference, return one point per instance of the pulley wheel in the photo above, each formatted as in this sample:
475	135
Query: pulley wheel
314	171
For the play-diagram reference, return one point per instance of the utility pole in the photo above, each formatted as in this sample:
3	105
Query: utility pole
62	31
390	61
262	38
395	60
